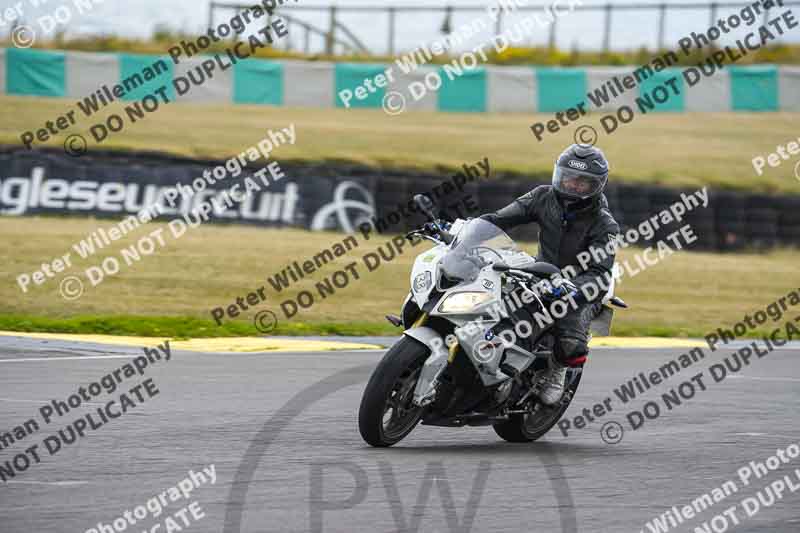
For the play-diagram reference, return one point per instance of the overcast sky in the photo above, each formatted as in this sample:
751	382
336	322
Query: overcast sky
631	29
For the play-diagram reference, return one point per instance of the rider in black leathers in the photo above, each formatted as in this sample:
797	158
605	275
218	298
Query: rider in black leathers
573	217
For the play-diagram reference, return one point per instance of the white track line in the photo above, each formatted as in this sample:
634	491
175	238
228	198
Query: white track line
226	354
41	402
764	435
70	358
764	379
53	483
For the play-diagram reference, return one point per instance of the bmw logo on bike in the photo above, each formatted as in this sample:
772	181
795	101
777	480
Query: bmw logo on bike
488	284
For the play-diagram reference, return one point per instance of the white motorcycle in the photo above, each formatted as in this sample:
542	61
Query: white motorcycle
476	339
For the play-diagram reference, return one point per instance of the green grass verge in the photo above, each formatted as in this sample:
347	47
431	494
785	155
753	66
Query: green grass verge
172	292
694	149
195	328
182	327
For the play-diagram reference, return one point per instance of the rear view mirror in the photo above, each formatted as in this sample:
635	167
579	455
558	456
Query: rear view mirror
425	205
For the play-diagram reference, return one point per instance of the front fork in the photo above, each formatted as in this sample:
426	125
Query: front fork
425	390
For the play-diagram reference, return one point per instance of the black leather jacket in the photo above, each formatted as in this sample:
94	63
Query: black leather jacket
564	233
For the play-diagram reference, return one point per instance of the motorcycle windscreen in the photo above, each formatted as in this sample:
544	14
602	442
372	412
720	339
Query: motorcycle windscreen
461	266
476	246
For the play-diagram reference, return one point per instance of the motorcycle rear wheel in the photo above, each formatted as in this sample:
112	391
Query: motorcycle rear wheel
530	427
387	415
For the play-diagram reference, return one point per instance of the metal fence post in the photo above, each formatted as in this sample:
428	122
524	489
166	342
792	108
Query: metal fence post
713	20
331	31
606	8
392	13
607	36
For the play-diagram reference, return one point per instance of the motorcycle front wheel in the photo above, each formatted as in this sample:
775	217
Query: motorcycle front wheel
387	414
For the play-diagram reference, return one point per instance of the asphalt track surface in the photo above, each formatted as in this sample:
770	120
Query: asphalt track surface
302	466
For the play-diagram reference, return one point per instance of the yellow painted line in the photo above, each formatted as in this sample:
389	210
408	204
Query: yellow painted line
257	344
644	342
224	344
260	344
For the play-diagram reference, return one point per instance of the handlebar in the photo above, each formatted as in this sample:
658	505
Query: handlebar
431	230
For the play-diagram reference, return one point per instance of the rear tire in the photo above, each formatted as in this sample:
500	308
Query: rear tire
389	393
528	428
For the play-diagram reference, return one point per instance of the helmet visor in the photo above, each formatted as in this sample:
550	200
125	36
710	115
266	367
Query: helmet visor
577	184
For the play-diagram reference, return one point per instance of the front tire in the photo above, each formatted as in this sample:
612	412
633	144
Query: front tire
530	427
387	413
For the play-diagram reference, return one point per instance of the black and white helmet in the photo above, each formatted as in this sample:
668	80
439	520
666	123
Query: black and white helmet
580	172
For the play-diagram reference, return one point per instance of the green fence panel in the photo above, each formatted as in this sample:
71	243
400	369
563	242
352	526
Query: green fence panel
35	72
351	76
560	88
664	99
462	90
257	81
754	88
142	75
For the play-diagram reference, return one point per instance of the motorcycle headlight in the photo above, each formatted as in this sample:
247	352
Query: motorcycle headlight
463	302
423	282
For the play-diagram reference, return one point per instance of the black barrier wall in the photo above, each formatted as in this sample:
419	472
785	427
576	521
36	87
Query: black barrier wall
340	197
